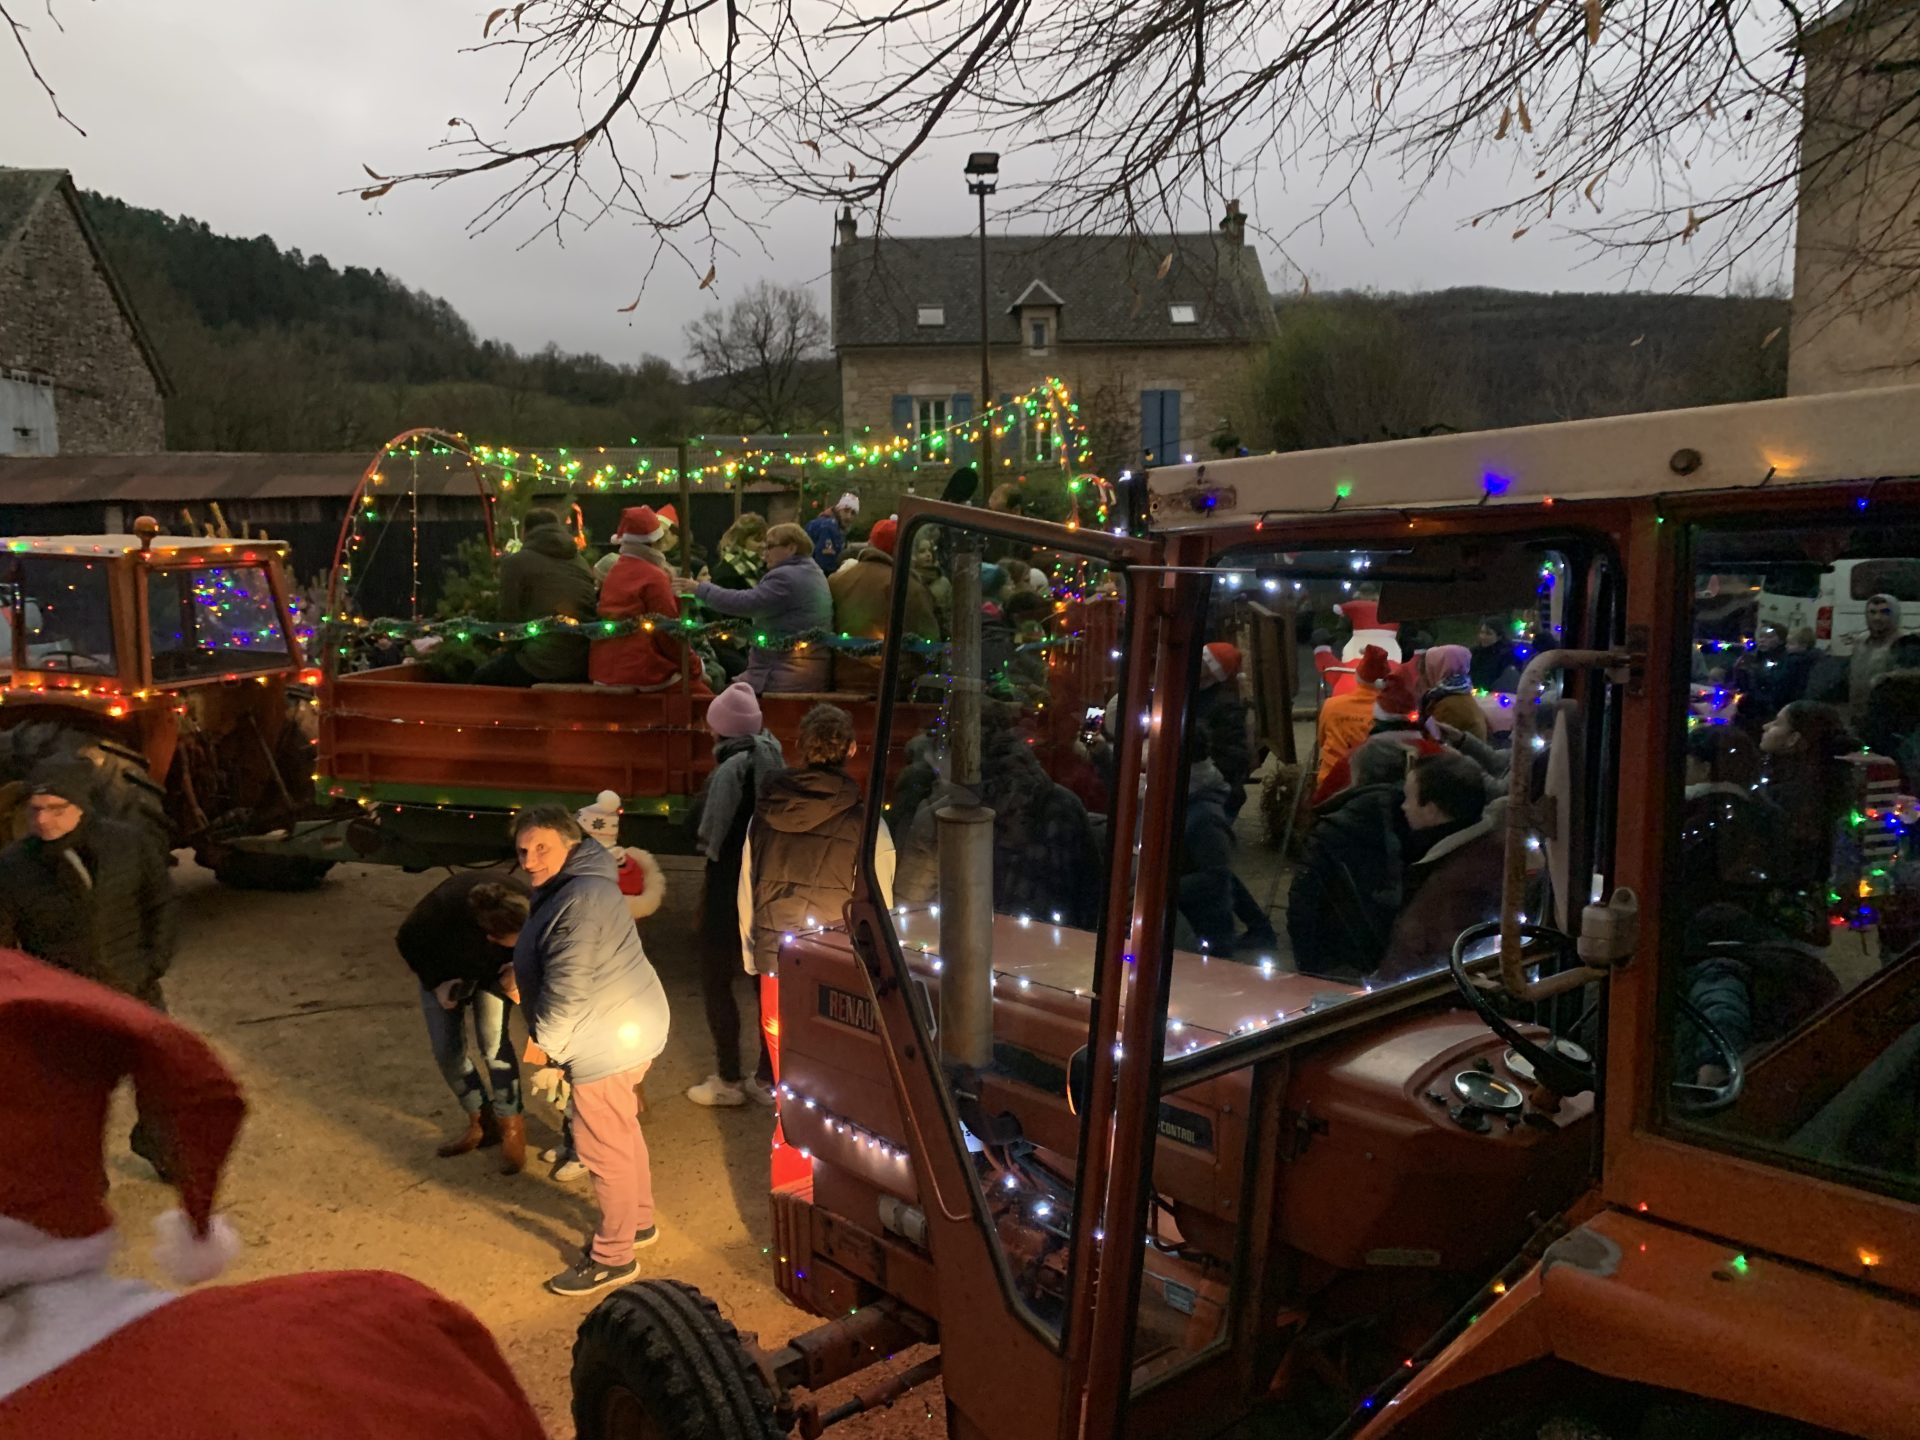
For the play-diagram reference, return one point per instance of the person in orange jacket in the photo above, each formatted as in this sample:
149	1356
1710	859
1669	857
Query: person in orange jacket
640	584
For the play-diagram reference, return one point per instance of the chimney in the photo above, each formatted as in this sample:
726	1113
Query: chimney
1233	225
844	230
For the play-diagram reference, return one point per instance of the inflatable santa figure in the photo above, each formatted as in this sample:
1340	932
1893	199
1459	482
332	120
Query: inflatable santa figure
641	879
1339	675
86	1356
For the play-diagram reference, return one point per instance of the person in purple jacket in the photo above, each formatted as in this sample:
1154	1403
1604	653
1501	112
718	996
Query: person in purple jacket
791	599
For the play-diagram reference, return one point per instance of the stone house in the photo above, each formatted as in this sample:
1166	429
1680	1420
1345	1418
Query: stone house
1856	273
1152	337
78	374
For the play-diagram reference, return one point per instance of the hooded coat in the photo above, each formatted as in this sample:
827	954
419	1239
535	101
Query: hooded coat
1346	892
862	591
638	585
790	599
590	995
547	576
1206	880
722	811
97	902
1454	885
801	853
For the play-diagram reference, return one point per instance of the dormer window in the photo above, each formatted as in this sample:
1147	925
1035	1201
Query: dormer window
932	316
1183	314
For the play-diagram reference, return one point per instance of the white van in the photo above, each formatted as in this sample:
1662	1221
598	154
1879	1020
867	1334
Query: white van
1833	601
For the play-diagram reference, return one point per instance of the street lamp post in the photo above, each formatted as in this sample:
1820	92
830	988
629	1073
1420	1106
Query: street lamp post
983	168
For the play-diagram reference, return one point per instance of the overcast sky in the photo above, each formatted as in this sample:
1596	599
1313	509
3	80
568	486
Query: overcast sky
253	116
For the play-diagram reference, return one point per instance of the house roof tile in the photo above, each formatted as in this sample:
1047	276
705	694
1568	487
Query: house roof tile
1109	286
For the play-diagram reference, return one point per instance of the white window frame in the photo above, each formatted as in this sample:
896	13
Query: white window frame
1181	313
931	415
931	317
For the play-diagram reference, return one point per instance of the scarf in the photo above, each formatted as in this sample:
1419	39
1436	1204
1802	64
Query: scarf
755	755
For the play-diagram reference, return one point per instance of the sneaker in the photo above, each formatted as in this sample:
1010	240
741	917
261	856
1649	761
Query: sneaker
713	1092
568	1170
759	1093
590	1275
646	1237
550	1154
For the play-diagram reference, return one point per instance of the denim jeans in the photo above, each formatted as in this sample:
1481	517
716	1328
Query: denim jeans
446	1034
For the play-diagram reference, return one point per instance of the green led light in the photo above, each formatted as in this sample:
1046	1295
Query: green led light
1343	489
1739	1264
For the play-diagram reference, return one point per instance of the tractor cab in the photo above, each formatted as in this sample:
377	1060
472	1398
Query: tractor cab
1455	981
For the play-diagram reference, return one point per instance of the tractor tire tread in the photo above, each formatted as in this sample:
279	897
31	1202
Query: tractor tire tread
684	1362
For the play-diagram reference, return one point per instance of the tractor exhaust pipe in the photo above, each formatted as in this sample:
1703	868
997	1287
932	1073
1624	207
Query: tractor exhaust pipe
966	841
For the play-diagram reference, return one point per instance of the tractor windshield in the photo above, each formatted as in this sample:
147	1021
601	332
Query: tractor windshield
60	612
211	621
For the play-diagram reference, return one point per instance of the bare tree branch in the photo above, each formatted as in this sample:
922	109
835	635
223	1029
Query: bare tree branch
20	32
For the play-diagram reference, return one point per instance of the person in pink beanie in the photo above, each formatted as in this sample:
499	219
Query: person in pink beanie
746	754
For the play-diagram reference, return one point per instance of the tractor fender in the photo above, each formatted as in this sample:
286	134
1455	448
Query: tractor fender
1626	1298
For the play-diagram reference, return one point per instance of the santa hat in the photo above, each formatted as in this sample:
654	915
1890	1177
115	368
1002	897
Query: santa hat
65	1045
1360	614
885	535
641	879
1374	666
1396	700
735	712
1220	661
601	819
640	522
670	515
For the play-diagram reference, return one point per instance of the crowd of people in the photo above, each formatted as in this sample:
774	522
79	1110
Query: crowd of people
782	582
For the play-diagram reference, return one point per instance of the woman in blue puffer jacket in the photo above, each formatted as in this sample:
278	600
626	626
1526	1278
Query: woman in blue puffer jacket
595	1006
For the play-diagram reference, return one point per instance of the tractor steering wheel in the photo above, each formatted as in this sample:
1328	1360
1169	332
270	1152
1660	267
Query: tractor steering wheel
1691	1098
1556	1068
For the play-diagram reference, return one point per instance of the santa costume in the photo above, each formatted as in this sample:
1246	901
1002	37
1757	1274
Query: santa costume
86	1356
1341	674
639	584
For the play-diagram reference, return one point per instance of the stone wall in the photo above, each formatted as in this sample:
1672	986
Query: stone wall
1856	274
1105	381
58	316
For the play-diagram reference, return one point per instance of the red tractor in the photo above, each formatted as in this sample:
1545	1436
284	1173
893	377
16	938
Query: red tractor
172	665
1588	1107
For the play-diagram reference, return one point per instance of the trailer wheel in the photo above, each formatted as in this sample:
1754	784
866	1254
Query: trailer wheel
122	789
657	1361
255	870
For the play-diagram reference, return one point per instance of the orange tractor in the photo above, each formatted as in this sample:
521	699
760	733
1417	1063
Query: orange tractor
172	665
1593	1110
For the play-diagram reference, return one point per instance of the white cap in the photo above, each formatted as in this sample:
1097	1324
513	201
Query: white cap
848	501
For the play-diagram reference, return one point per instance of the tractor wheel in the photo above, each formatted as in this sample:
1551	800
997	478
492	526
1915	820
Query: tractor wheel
657	1361
122	789
258	870
294	757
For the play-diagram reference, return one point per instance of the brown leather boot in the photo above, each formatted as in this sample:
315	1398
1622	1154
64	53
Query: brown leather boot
513	1144
482	1129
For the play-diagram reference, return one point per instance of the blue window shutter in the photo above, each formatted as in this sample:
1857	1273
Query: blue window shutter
1170	427
1150	412
902	414
959	412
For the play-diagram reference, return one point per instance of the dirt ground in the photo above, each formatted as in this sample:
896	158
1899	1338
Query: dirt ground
305	996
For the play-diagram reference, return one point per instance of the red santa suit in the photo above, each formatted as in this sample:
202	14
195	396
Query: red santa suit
638	585
86	1356
1368	629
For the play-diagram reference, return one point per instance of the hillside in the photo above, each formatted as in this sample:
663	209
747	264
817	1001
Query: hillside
1351	366
270	349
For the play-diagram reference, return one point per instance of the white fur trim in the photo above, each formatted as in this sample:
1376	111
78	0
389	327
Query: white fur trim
30	1256
44	1326
654	895
190	1259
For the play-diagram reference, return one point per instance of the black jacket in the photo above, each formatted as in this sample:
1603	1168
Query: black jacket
1221	715
97	902
1347	890
441	941
548	577
804	842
